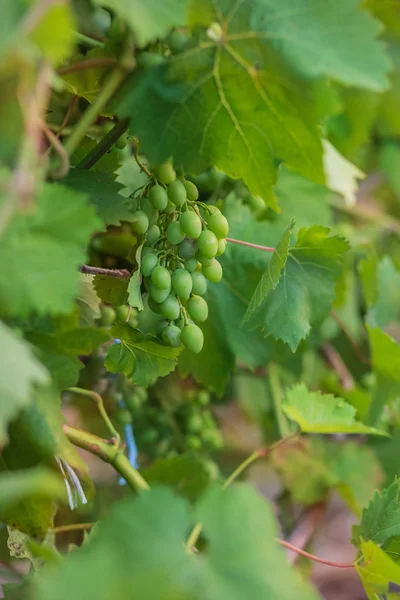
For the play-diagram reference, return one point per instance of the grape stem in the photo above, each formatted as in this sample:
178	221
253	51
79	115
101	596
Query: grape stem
98	400
322	561
250	245
72	527
107	452
141	165
89	63
104	145
119	273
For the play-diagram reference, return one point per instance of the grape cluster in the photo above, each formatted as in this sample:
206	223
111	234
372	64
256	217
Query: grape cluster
183	237
188	426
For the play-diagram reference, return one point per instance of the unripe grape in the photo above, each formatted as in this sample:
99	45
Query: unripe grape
197	308
175	235
161	278
170	308
187	248
153	305
191	191
177	193
182	283
158	197
192	338
165	172
191	224
170	208
122	312
153	235
108	314
158	295
161	325
191	264
172	336
149	262
208	243
140	222
203	260
199	283
193	442
217	223
177	41
124	416
213	272
221	247
151	212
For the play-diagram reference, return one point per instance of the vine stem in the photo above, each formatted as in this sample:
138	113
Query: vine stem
330	563
250	245
98	400
104	145
72	527
107	452
276	392
120	273
89	63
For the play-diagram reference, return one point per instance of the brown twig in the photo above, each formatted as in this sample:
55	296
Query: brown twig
63	167
305	529
336	362
119	273
67	116
330	563
250	245
89	63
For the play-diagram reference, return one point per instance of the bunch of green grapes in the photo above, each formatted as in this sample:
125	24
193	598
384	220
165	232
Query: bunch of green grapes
183	237
197	423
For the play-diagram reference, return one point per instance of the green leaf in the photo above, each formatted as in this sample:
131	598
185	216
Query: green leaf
111	290
87	83
82	341
271	277
306	288
138	551
322	413
134	291
149	19
45	248
377	571
19	370
386	308
32	483
140	357
385	354
230	74
104	194
380	520
54	33
87	300
187	475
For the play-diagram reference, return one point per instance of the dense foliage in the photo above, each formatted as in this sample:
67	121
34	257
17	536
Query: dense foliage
199	207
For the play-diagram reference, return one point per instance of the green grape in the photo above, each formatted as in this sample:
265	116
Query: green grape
172	336
194	423
117	30
203	397
187	248
199	283
170	308
178	40
147	283
217	223
213	272
151	212
158	295
213	438
158	197
133	402
102	19
193	442
203	260
141	392
182	283
147	60
170	208
191	264
147	250
149	262
122	312
165	173
208	243
123	416
192	338
149	436
197	308
140	222
191	191
153	235
153	305
191	224
177	193
108	315
121	142
161	278
221	247
175	235
161	324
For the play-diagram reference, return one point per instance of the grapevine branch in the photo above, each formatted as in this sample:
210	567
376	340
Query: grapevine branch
72	527
98	400
119	273
323	561
104	145
89	63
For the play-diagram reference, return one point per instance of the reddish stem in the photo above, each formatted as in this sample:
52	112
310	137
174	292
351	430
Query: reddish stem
119	273
250	245
89	63
330	563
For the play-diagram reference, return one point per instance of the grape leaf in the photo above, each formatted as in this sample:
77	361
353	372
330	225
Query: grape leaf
37	482
306	288
380	520
385	354
104	194
111	290
140	357
87	84
123	559
87	300
378	571
149	19
19	370
322	413
208	91
54	33
45	248
134	291
341	175
386	307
